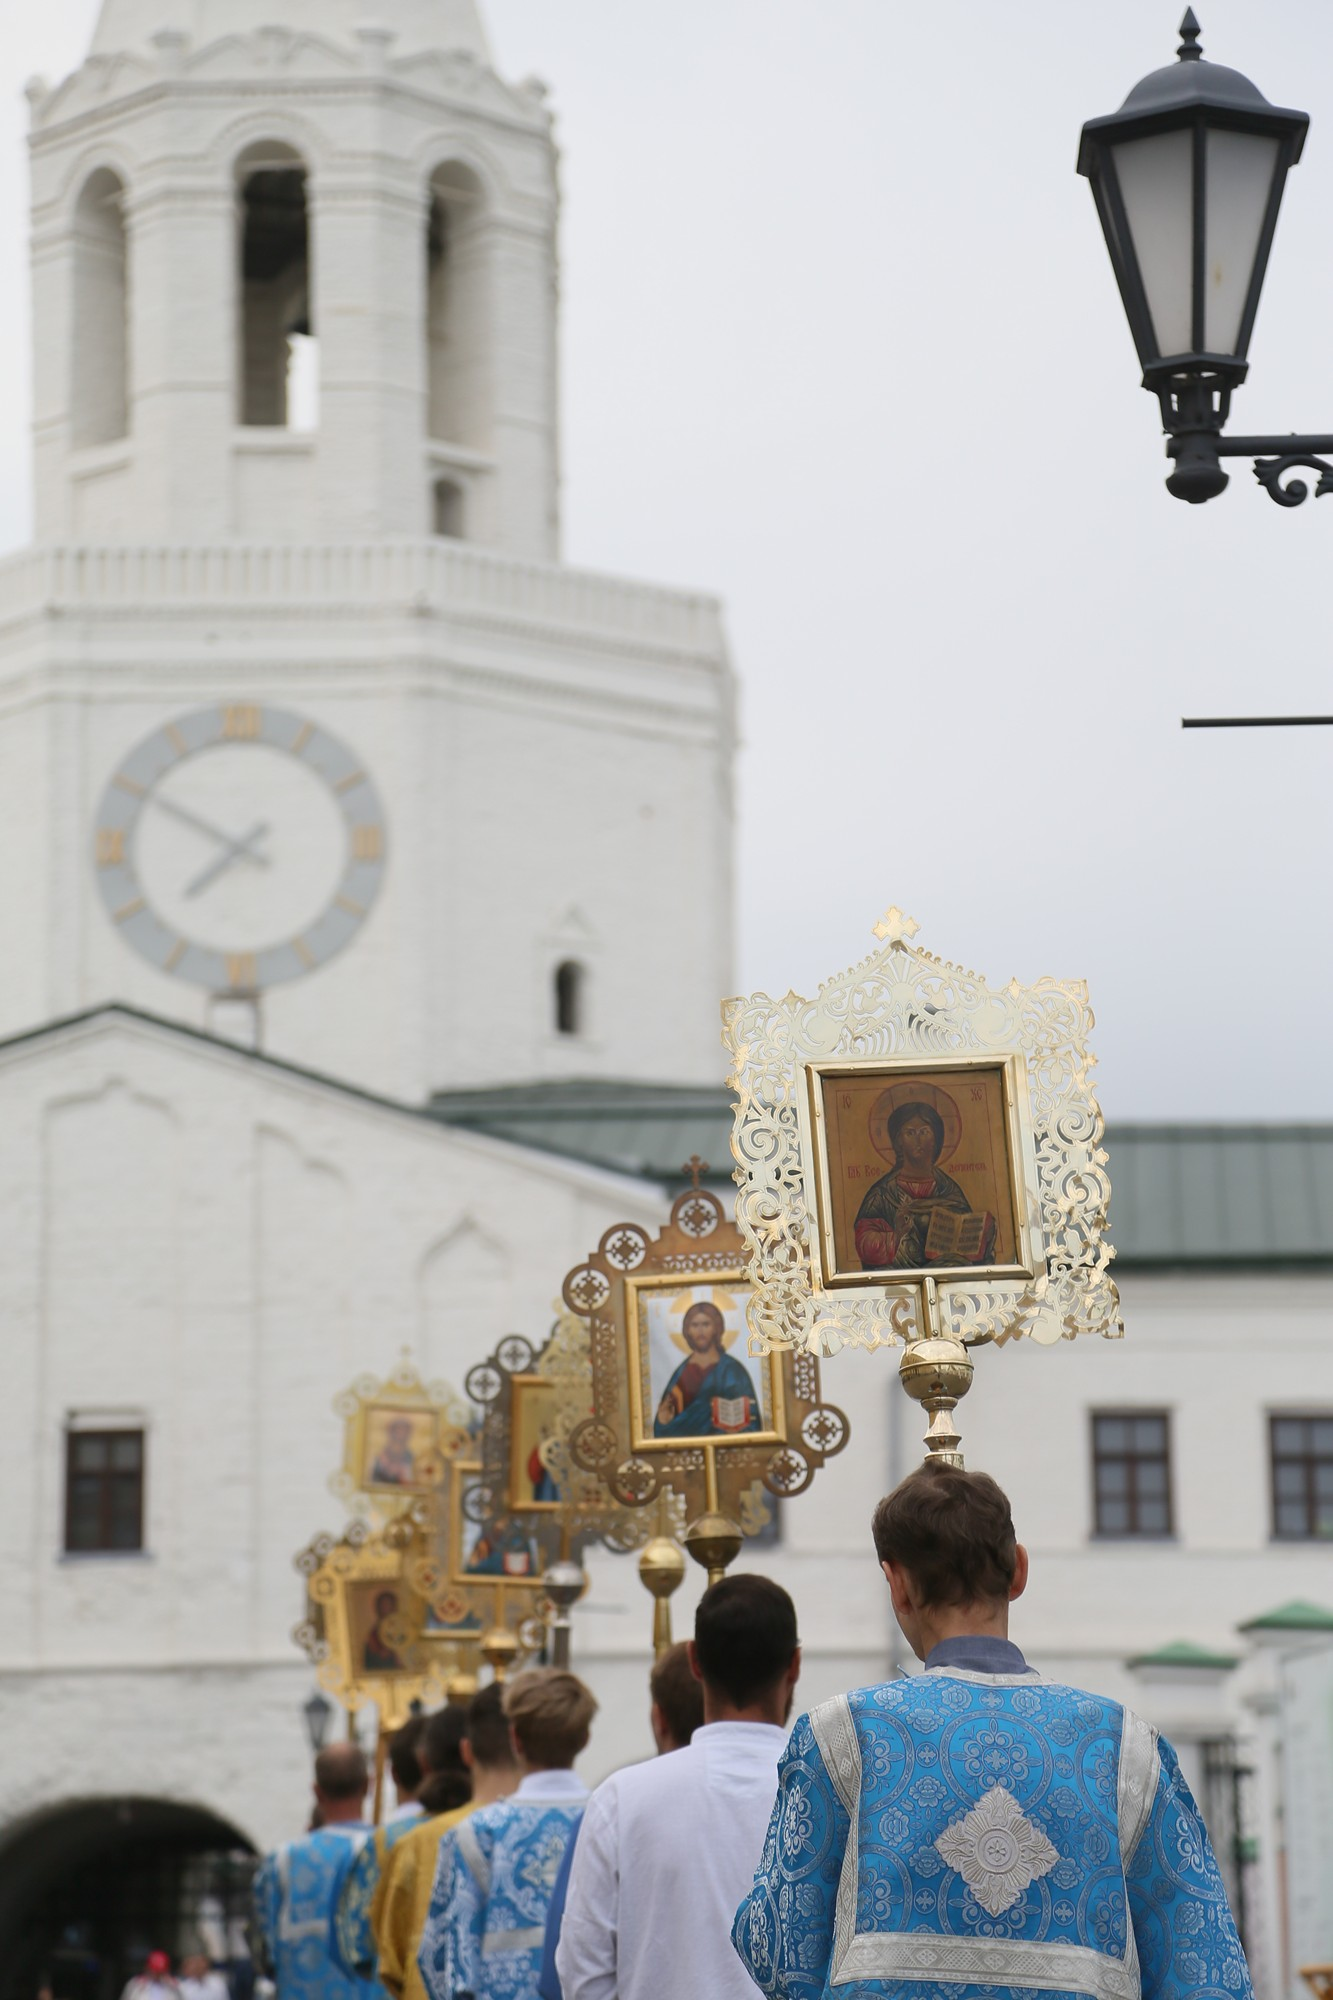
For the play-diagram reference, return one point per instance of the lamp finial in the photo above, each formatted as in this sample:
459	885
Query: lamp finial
1189	50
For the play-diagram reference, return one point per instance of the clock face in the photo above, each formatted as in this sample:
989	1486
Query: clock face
238	847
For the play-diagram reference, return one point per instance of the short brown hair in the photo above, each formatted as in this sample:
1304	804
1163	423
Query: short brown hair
952	1531
341	1771
550	1713
677	1693
487	1729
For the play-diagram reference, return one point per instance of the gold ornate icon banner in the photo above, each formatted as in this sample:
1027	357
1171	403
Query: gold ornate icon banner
366	1628
676	1410
527	1487
919	1155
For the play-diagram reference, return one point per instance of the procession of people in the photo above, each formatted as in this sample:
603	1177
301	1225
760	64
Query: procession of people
970	1827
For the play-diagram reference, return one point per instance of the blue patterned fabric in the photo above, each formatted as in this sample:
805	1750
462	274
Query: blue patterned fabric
353	1939
487	1923
296	1893
966	1834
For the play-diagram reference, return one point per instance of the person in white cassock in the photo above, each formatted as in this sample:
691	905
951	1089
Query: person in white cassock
979	1829
667	1849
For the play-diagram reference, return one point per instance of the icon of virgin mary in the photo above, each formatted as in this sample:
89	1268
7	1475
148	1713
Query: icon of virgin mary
711	1393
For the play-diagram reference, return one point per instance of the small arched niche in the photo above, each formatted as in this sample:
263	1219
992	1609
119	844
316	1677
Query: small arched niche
448	510
100	400
457	311
277	348
570	997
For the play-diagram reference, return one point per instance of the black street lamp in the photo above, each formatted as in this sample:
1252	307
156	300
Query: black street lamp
1188	178
318	1714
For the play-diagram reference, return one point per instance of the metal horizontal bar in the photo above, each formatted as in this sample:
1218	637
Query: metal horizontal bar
1255	721
1274	447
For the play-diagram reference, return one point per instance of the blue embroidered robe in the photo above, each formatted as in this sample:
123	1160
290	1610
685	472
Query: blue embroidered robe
966	1834
487	1923
353	1939
296	1893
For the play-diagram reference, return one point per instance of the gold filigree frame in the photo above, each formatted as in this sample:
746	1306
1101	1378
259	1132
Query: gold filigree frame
709	1474
584	1511
438	1420
904	1008
338	1575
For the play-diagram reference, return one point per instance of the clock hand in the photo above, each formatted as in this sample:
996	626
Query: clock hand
200	825
237	850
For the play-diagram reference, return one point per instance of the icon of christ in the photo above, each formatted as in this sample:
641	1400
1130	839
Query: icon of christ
915	1215
710	1394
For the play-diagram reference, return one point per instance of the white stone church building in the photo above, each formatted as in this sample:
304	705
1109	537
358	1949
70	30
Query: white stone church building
367	888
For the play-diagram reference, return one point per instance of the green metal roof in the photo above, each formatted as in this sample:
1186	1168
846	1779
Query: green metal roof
1180	1653
1298	1616
1183	1194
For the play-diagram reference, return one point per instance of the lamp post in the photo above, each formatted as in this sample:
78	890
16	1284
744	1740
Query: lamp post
1188	178
318	1714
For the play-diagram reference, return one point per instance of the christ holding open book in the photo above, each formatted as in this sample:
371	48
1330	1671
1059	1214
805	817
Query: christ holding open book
915	1215
710	1394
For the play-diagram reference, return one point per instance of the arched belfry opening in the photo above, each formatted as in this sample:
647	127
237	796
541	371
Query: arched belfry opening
100	398
278	352
87	1886
449	509
458	359
570	995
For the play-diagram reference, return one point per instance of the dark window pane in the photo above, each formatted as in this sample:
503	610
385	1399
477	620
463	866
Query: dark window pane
1322	1437
1152	1517
1112	1478
1288	1437
1291	1519
1323	1520
1289	1481
1150	1435
104	1490
1150	1474
1110	1434
1113	1517
125	1514
1323	1479
85	1516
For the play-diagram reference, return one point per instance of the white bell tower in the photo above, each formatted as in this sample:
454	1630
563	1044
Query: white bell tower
307	735
295	280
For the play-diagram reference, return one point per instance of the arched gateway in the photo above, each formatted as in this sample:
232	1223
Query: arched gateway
90	1886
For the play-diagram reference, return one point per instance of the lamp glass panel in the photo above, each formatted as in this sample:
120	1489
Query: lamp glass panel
1239	176
1157	187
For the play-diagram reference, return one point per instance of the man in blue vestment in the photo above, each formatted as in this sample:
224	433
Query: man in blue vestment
487	1922
297	1888
422	1746
977	1827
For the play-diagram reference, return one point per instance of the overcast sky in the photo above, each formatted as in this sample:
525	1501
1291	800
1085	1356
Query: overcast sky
841	343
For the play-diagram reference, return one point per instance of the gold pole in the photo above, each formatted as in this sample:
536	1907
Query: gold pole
662	1571
381	1744
499	1647
713	1540
937	1373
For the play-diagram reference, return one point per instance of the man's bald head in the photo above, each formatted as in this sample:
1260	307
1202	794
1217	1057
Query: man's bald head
341	1774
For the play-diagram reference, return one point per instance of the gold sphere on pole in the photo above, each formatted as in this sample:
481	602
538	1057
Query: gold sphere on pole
661	1571
499	1648
937	1373
714	1542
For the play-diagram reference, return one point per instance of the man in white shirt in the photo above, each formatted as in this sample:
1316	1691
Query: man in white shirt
668	1849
